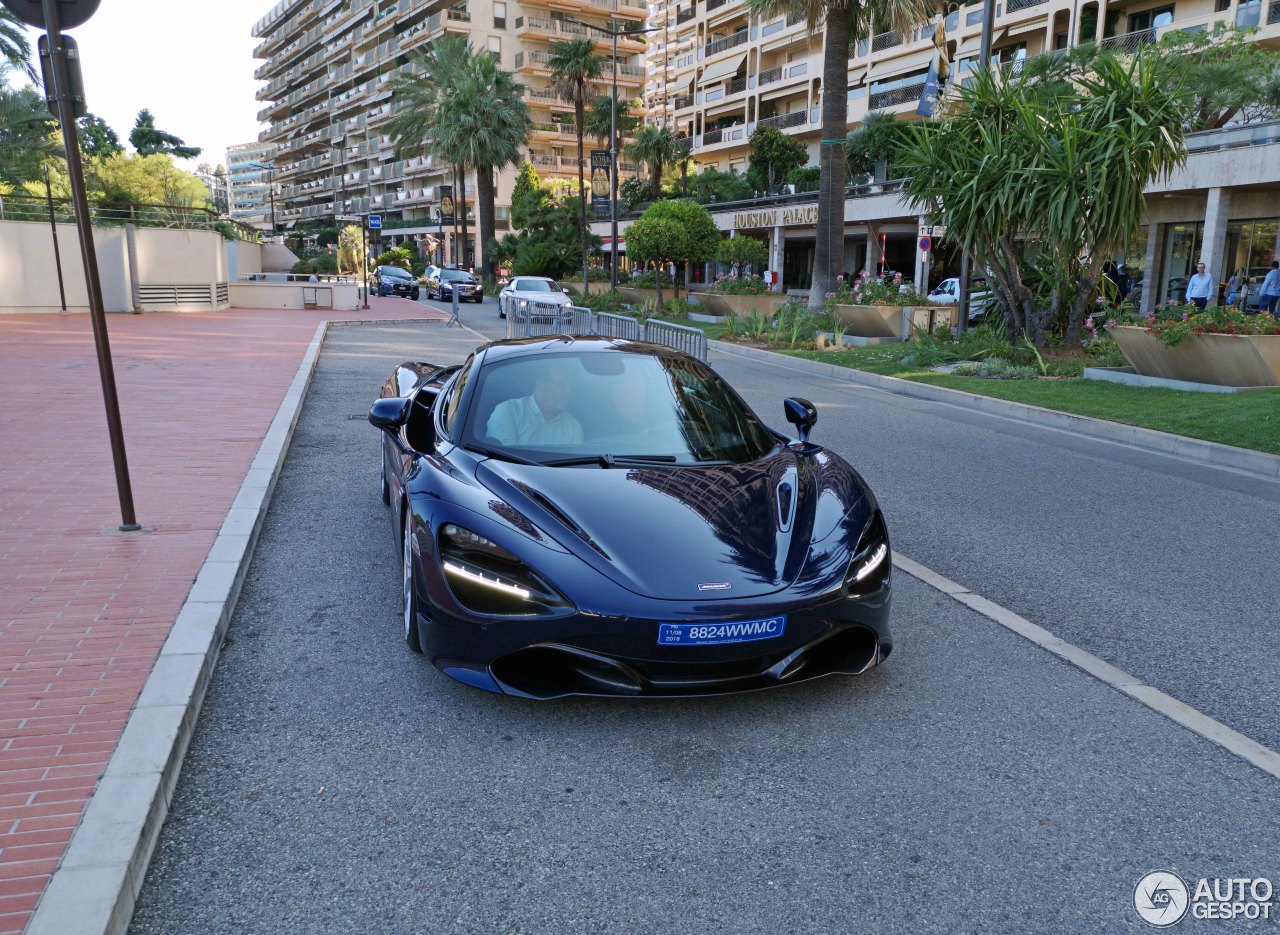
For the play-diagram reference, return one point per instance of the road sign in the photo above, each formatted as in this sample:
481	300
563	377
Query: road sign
932	230
375	222
71	13
925	244
347	217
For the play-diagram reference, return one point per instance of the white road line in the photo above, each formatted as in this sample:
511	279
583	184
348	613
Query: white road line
1232	741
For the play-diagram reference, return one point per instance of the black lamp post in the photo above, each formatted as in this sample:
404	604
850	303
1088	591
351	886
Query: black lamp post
613	135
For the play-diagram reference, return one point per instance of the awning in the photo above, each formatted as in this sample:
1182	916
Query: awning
681	84
856	76
902	64
607	246
970	45
1033	26
723	69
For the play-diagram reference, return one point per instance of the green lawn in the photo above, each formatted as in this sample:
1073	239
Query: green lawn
1247	420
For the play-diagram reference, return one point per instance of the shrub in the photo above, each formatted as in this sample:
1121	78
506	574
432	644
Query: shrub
604	302
649	279
1172	323
739	285
875	292
676	308
303	268
599	274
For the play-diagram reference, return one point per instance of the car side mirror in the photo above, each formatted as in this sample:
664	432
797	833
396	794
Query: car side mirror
802	414
390	413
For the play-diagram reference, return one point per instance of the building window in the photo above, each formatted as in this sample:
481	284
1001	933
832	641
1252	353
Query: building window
495	45
499	16
1151	19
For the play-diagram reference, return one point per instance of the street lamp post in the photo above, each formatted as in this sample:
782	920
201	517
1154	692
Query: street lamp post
613	137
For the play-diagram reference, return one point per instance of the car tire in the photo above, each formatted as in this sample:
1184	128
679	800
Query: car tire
409	606
416	295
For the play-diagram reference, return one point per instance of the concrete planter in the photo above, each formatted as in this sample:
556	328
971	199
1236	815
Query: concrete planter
875	321
634	296
741	306
1217	359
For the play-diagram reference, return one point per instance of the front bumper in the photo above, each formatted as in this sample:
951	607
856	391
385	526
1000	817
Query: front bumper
618	655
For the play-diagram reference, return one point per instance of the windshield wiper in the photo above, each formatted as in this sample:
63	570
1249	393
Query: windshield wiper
608	460
499	454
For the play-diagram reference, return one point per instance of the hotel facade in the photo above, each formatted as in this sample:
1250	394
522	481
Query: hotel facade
726	73
327	70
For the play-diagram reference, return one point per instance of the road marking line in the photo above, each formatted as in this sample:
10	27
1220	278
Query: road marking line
1232	741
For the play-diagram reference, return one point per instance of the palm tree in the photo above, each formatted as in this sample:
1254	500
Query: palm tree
27	137
846	21
575	68
15	50
466	111
655	147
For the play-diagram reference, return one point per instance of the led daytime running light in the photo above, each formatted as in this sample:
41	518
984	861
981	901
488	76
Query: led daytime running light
495	583
872	563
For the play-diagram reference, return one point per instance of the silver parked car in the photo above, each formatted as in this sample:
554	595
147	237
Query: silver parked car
524	293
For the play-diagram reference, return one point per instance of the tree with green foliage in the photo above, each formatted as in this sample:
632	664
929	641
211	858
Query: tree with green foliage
351	250
401	256
15	49
712	185
134	179
575	69
457	105
1020	163
742	251
633	192
528	197
549	244
654	147
673	232
27	136
149	141
874	142
773	156
844	22
600	116
97	138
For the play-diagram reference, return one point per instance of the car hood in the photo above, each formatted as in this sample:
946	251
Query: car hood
718	532
550	298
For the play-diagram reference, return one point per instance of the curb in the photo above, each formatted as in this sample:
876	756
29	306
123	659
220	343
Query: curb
94	889
1245	461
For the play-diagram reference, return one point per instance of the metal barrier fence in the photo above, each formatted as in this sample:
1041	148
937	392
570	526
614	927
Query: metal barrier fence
541	320
110	213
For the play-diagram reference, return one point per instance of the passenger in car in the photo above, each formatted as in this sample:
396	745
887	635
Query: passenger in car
541	418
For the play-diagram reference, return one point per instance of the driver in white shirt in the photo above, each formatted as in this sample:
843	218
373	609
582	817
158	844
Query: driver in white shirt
540	419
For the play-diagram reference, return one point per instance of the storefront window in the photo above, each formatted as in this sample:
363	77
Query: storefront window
1250	247
1182	247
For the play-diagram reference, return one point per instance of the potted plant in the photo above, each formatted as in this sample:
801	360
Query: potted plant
1220	346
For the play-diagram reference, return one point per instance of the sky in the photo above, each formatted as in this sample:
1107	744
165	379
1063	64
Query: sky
190	64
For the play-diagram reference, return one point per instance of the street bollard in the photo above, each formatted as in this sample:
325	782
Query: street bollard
454	319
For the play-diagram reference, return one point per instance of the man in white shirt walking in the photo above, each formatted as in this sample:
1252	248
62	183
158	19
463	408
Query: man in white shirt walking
1200	287
1270	294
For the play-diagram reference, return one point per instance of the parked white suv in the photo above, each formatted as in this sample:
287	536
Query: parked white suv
948	293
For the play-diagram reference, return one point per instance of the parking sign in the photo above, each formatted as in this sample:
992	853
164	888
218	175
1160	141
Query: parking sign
375	222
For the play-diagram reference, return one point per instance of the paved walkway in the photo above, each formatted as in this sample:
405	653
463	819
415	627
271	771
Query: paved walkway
84	608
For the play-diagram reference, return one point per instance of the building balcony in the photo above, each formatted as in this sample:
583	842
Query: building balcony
684	14
715	47
783	121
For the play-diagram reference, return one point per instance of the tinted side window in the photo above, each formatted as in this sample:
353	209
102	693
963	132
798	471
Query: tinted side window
449	409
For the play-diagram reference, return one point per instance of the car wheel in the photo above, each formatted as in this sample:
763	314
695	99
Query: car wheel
410	599
416	295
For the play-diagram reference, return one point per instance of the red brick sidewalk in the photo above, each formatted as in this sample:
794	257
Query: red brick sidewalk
85	609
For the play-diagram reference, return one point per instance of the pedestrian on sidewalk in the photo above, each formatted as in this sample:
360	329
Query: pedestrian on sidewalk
1200	287
1269	297
1234	285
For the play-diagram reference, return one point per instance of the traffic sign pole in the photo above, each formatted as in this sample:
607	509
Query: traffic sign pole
78	12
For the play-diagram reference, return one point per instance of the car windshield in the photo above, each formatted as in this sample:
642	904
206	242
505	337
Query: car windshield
392	272
614	407
537	285
456	274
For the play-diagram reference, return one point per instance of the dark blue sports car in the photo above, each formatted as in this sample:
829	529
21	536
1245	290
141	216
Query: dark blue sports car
594	516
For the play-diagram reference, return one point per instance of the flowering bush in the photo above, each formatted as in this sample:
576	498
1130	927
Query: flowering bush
1171	323
739	285
874	292
648	279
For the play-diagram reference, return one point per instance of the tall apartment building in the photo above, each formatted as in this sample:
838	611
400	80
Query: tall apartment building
735	73
328	69
252	179
659	66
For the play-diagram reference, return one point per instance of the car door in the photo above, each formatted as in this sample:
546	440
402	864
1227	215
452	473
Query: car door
418	434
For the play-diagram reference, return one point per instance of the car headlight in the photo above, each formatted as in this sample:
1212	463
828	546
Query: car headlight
871	563
487	579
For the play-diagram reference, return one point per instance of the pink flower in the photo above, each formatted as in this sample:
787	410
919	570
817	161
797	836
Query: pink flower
1184	316
1111	323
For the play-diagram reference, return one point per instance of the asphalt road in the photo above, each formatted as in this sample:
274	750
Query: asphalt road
973	783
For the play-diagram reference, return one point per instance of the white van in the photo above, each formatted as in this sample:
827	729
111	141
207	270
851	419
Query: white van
947	292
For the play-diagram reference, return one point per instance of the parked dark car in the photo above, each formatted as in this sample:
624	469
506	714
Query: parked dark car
605	517
442	285
394	280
